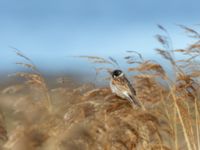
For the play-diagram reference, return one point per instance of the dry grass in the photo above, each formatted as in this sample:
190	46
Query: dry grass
35	117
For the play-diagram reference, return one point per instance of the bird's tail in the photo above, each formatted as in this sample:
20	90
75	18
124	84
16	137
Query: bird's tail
134	102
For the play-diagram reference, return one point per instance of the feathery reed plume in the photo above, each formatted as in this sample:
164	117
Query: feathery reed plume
191	32
34	78
183	89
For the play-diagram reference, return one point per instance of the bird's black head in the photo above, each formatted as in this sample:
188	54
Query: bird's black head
117	73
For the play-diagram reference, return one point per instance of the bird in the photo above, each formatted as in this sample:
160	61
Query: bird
122	87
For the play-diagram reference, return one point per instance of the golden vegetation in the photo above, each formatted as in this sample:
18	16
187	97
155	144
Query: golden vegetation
35	117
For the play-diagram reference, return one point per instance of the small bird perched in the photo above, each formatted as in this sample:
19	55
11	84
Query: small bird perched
121	86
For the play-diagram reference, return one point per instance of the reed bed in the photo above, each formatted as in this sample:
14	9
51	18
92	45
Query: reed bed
87	117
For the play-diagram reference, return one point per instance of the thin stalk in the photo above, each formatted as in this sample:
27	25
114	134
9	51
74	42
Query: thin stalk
197	124
182	123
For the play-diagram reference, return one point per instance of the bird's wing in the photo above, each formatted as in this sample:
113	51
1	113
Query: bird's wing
132	90
132	99
124	86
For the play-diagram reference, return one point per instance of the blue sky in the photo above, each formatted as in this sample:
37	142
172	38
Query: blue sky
51	30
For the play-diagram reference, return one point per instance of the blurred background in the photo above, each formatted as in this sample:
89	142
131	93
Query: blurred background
50	32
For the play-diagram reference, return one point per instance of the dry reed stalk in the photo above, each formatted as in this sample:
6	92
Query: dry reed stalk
35	78
189	119
197	118
182	122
